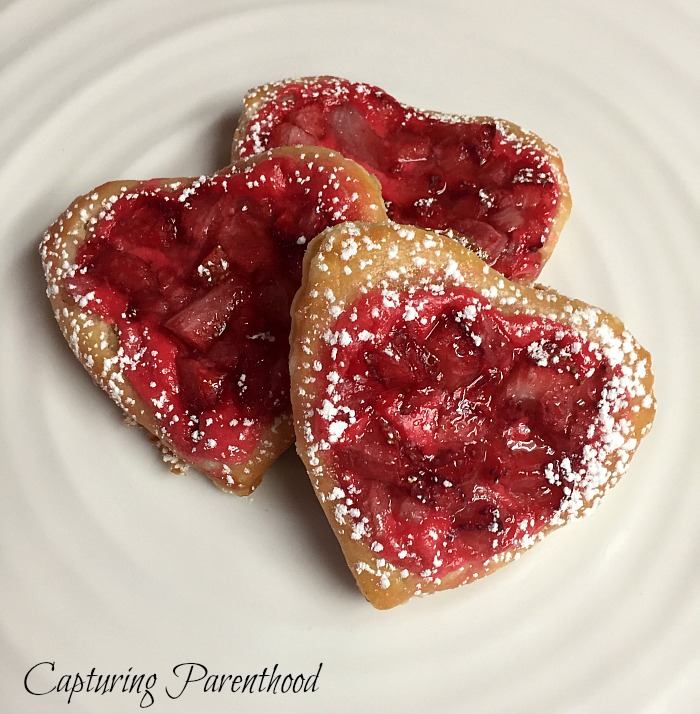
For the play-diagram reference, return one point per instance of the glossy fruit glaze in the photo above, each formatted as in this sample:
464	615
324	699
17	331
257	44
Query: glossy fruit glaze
198	280
457	430
470	177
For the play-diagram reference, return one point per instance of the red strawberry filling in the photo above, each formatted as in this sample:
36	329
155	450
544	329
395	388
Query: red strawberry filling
456	432
198	282
469	177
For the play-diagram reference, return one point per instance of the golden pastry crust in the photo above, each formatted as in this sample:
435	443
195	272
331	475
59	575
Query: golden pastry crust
249	126
400	258
96	343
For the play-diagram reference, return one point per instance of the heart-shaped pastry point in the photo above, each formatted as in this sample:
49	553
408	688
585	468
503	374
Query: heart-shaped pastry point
449	418
175	295
482	179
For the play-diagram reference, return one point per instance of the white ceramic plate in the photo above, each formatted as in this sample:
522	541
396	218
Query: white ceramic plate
110	562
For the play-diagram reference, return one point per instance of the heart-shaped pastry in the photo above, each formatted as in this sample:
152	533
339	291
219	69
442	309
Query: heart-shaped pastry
482	179
175	296
449	418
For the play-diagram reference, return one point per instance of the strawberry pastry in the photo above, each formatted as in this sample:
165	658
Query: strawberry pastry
175	296
480	179
449	418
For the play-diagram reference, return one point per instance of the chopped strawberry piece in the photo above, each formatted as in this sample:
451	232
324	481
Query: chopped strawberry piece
226	351
490	242
403	362
277	179
257	382
550	395
414	418
527	384
311	119
528	195
372	447
201	382
248	244
214	266
203	320
291	135
204	214
507	219
410	147
458	355
148	218
356	138
311	223
124	271
497	171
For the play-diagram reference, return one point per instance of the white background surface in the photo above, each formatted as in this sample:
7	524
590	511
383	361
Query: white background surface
108	561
